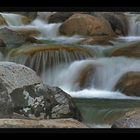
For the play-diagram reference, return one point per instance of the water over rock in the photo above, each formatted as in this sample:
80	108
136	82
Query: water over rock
87	25
129	84
84	79
41	57
23	92
131	119
131	49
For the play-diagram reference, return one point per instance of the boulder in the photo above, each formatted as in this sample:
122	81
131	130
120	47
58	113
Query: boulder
51	123
59	17
117	20
131	49
131	119
53	53
86	25
30	15
129	84
27	32
11	38
30	97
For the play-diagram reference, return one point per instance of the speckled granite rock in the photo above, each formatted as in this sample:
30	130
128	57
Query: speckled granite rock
24	92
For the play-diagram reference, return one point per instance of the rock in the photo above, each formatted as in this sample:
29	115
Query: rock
129	84
2	44
131	49
28	32
41	102
11	38
117	20
63	105
2	20
131	119
30	15
86	25
100	40
25	20
51	123
6	105
84	79
53	53
30	97
59	17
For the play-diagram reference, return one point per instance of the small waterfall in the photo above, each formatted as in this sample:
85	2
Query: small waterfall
12	19
42	57
134	24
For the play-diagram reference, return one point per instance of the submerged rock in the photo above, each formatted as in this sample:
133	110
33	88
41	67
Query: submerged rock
129	84
51	123
131	119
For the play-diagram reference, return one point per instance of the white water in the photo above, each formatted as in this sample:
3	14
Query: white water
107	73
134	24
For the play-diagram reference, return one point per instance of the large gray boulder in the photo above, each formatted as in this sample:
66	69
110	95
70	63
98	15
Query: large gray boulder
24	93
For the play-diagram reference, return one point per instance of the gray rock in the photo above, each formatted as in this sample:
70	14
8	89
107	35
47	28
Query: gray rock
30	97
6	105
130	120
11	38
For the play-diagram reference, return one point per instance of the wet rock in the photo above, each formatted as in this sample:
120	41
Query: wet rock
30	15
84	79
27	32
59	17
100	40
131	119
117	20
51	123
86	25
2	20
131	49
11	38
129	84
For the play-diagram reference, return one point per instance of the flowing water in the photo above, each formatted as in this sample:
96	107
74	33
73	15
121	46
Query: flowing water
89	79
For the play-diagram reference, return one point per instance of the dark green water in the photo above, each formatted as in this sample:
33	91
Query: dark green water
101	113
